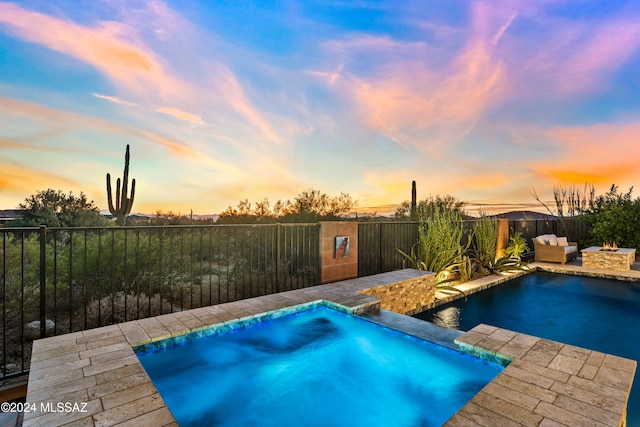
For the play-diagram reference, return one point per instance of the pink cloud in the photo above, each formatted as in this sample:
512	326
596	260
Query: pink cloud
63	121
606	48
118	51
194	119
204	168
570	57
111	47
416	104
32	141
233	92
114	99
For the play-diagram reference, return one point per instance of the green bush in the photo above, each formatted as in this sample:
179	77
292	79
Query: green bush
485	236
441	246
615	217
517	246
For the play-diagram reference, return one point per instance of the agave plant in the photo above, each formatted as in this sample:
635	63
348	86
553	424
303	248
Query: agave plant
440	249
444	276
507	264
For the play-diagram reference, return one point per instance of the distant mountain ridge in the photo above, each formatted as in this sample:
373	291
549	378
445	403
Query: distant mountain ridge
525	215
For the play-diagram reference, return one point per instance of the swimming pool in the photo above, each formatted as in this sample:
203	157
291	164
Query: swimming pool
598	314
318	367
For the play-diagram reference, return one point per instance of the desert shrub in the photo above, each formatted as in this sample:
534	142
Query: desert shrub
485	235
615	217
20	271
440	247
122	307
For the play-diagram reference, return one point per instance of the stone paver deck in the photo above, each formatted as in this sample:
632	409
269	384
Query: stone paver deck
98	370
547	383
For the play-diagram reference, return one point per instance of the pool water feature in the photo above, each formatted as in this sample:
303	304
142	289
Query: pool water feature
315	368
598	314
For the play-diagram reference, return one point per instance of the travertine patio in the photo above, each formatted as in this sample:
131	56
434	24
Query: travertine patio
546	384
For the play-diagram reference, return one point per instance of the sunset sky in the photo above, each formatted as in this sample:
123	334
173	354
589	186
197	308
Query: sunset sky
222	101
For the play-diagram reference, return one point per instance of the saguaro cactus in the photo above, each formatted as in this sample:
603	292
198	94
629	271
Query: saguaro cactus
414	204
123	202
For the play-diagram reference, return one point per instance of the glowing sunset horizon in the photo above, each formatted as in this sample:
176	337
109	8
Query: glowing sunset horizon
483	100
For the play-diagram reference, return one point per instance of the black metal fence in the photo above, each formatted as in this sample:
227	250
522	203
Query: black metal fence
573	228
378	243
61	280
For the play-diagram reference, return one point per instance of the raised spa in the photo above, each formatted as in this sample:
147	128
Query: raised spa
318	367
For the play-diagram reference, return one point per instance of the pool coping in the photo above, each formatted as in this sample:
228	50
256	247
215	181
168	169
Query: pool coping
546	383
98	368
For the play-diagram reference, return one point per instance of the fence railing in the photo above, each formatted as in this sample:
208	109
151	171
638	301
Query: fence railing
573	228
378	243
62	280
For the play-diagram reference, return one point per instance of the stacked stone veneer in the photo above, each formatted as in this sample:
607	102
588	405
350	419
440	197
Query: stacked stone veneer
622	259
404	291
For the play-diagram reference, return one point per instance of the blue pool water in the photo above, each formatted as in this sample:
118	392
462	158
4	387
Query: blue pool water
597	314
315	368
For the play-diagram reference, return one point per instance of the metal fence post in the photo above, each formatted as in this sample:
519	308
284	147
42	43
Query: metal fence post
379	264
278	273
43	280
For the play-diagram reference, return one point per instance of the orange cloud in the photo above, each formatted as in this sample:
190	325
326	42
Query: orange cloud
62	121
110	47
32	141
230	88
385	187
621	172
598	154
204	168
116	49
194	119
18	181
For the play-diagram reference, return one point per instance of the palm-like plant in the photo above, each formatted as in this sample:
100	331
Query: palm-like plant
517	246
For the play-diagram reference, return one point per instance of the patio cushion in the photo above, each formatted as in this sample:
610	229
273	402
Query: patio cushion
548	239
562	241
543	239
570	249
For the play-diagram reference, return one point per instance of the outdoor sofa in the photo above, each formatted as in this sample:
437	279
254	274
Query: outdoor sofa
550	248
